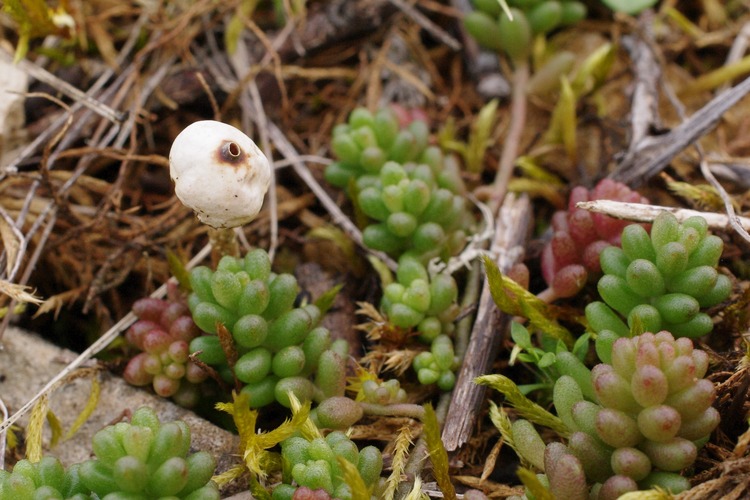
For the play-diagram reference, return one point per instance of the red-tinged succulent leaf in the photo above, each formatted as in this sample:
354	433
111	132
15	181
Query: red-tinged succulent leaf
149	308
173	311
590	257
138	330
184	328
135	372
581	228
587	233
577	195
569	280
156	341
649	385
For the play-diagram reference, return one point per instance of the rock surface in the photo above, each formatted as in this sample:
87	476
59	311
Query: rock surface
27	363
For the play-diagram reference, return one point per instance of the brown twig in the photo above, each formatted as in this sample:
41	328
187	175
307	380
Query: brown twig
644	112
638	212
513	223
428	25
655	153
513	138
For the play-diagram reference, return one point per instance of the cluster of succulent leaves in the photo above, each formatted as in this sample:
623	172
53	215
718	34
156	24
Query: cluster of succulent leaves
163	332
437	365
142	459
637	418
412	191
491	25
571	257
270	346
634	421
383	392
416	301
659	281
145	458
415	197
46	478
321	464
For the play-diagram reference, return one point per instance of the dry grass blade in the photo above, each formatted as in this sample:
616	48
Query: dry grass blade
18	293
638	212
34	429
89	408
13	243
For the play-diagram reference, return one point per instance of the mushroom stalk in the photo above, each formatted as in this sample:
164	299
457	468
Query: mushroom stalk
223	242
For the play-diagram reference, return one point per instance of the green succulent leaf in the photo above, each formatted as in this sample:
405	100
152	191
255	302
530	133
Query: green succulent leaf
629	6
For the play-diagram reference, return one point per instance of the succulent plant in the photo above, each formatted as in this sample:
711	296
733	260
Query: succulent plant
493	29
437	366
314	465
148	459
571	258
163	332
367	141
416	300
411	190
659	282
383	392
634	422
652	411
279	346
427	305
45	479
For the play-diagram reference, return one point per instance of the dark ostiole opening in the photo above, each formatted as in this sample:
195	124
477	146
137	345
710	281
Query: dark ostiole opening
231	151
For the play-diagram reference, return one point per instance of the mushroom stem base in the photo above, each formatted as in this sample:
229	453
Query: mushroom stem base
223	242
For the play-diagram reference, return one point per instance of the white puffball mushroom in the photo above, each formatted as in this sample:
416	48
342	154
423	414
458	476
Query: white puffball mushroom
220	173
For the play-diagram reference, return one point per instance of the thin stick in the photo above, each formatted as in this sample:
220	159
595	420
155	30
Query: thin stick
513	138
654	155
512	224
638	212
64	87
96	347
262	123
731	215
428	25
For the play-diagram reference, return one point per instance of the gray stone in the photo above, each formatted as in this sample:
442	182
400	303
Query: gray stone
27	363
